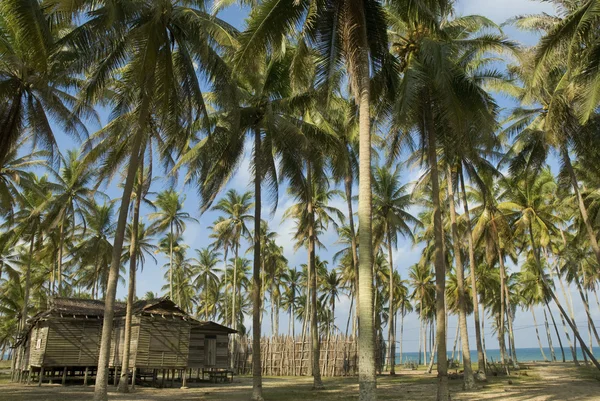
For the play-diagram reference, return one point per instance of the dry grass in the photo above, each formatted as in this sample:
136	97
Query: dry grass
540	382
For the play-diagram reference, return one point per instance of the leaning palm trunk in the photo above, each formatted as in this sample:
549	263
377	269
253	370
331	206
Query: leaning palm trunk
440	268
501	334
256	284
550	290
391	339
314	329
562	350
478	338
580	203
61	245
549	336
469	381
537	333
123	386
586	306
113	275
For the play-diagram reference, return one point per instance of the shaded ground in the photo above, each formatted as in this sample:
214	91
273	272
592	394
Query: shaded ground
538	382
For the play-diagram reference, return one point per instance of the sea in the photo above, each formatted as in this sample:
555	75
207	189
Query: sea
523	355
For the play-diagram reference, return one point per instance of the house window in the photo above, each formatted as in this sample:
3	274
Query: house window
38	343
210	348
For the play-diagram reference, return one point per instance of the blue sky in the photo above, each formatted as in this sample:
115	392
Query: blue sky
197	234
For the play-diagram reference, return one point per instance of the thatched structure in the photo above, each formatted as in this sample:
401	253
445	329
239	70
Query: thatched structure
66	337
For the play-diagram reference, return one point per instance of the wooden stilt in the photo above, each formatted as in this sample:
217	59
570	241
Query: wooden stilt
133	378
162	384
64	376
184	380
85	376
29	376
173	378
41	378
116	381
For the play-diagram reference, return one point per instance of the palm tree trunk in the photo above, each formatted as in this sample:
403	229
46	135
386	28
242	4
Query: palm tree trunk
580	203
350	313
456	336
469	381
550	291
348	189
550	345
123	381
233	309
401	331
511	334
123	386
61	242
537	333
392	346
171	262
501	334
206	296
586	306
562	350
26	290
100	391
314	329
440	268
225	287
367	378
572	346
472	267
256	284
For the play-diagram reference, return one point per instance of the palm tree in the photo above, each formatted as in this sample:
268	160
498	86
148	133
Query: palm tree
356	36
313	215
14	175
204	266
236	208
37	85
72	195
330	288
154	63
95	248
556	108
30	224
170	215
269	115
390	201
291	279
422	281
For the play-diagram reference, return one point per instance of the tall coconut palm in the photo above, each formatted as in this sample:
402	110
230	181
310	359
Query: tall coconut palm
291	280
390	203
353	33
170	216
73	194
438	92
154	61
205	267
37	84
95	247
236	208
269	116
313	215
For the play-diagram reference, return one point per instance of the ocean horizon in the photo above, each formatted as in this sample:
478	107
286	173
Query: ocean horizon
523	355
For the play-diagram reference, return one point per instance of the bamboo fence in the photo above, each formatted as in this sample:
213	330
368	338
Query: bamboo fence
289	356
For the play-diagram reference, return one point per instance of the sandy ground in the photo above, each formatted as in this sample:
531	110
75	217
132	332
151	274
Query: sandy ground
538	382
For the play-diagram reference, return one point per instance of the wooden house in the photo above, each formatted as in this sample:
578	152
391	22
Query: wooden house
67	337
